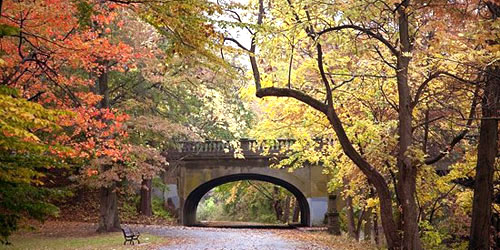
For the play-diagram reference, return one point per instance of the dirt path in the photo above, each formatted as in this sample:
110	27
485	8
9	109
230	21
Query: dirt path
78	235
188	238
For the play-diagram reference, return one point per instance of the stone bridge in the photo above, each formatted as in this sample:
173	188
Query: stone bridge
197	167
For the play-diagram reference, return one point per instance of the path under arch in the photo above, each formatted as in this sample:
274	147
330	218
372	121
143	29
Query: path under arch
193	199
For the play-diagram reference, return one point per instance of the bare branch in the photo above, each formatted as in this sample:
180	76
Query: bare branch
237	43
391	103
433	76
368	32
323	75
253	47
461	135
238	18
383	58
361	75
428	122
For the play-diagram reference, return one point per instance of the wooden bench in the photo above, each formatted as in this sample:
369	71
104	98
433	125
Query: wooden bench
130	236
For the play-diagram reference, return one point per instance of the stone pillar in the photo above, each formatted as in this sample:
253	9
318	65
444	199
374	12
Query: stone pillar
333	222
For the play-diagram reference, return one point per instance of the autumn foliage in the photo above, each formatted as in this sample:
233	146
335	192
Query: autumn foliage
51	54
407	90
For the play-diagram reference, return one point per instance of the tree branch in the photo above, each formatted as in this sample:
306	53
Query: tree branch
389	101
323	75
368	32
433	76
298	95
253	47
237	43
265	193
383	58
461	135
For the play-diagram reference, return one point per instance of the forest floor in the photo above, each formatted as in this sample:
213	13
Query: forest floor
79	235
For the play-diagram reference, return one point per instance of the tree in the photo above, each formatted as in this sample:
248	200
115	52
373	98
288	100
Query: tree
67	56
476	21
394	42
248	201
487	150
486	160
26	154
36	49
170	92
49	60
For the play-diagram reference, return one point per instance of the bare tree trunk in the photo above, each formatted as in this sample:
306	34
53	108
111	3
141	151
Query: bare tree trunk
486	153
109	220
496	231
375	230
296	211
367	231
103	88
407	172
361	217
145	203
286	212
351	228
278	209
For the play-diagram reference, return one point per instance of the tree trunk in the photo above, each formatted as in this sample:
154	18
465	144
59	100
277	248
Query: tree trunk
367	231
361	217
109	220
496	226
486	153
407	189
145	203
376	178
296	211
278	209
286	211
407	173
386	213
351	228
375	230
103	89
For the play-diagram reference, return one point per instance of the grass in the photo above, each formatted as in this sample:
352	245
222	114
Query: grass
102	241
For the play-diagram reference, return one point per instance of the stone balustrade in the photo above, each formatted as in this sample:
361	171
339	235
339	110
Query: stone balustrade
248	147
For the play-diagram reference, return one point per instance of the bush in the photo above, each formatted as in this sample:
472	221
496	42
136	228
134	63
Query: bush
159	210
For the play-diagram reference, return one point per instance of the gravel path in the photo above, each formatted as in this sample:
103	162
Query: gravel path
188	238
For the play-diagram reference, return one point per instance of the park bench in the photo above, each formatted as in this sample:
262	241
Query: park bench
130	236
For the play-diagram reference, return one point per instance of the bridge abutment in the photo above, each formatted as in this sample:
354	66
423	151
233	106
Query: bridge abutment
319	208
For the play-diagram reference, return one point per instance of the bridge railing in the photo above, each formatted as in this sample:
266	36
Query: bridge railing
246	145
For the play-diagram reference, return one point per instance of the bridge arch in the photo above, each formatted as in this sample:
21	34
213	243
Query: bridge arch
193	199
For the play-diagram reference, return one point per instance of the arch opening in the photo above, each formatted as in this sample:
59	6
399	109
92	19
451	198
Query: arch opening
193	199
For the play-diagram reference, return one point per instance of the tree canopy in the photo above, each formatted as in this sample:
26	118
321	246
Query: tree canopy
408	91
